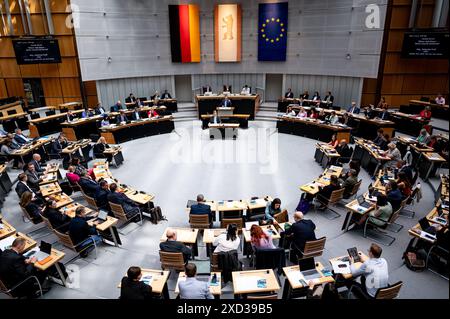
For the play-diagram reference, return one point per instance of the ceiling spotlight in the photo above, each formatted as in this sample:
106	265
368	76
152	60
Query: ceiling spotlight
109	59
348	56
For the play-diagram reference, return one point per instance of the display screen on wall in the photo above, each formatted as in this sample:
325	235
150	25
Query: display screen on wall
423	44
33	51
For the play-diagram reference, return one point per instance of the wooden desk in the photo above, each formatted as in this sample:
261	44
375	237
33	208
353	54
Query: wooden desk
372	158
243	104
49	178
71	106
81	128
354	208
25	151
50	189
268	228
245	282
428	163
313	187
61	200
356	265
6	229
6	242
158	282
227	206
325	154
137	197
432	215
216	291
70	209
49	124
210	234
241	119
293	276
55	256
184	235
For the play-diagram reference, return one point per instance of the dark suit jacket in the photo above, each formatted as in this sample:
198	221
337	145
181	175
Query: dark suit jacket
101	197
134	290
120	118
57	147
345	151
327	190
37	166
130	100
226	103
20	139
134	116
99	148
13	268
22	188
331	98
70	118
384	116
166	96
303	231
171	246
89	186
304	96
79	230
395	198
120	199
408	171
289	95
33	180
59	221
356	111
97	110
211	120
201	209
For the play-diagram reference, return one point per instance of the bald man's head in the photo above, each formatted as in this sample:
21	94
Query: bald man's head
171	234
298	216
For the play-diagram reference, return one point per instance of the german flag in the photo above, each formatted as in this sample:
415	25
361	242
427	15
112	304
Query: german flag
184	33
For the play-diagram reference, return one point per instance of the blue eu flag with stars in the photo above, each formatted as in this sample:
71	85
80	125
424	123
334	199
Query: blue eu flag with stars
272	31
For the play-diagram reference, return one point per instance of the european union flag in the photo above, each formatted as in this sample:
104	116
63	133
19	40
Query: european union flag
272	31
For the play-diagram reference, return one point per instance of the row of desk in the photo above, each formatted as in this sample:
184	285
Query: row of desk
416	106
242	104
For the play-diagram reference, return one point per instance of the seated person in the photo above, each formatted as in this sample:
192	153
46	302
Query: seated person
302	113
69	116
404	184
34	178
324	194
36	162
155	96
122	117
354	109
105	121
403	167
215	119
20	138
260	238
382	104
305	95
135	116
191	288
117	107
80	169
71	176
394	195
22	186
6	150
59	144
100	147
132	288
322	115
130	99
166	95
383	145
226	102
272	208
32	208
152	113
171	245
101	196
99	109
316	96
289	94
59	220
384	114
301	231
333	118
334	141
382	212
424	137
290	111
314	114
393	154
379	138
86	113
201	208
80	232
344	150
88	185
229	241
329	99
130	208
440	99
245	90
349	182
426	113
374	267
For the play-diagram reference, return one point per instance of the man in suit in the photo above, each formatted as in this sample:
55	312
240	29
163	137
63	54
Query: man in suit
171	245
329	99
192	288
349	182
130	99
201	208
130	208
69	116
99	109
155	96
215	119
15	268
353	109
226	102
86	113
22	185
302	230
20	138
101	196
405	168
59	144
166	95
88	185
132	288
289	94
343	149
384	115
36	162
135	115
116	107
34	178
122	117
80	232
59	221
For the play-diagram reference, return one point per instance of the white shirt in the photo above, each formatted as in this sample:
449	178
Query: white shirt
245	90
376	272
302	114
224	245
440	100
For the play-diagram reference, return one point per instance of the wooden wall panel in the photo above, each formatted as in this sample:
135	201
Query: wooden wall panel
38	24
400	17
49	70
392	84
52	88
70	87
15	87
30	71
412	84
435	83
54	101
59	23
9	68
68	67
92	100
59	5
90	87
6	48
3	92
67	46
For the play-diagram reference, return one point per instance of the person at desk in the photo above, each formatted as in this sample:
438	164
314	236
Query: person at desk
301	231
201	208
166	95
69	116
314	114
80	169
6	150
329	99
333	118
369	112
322	115
105	121
129	207
384	114
272	208
345	118
132	288
215	119
171	245
289	94
301	102
260	238
81	233
20	138
316	97
354	109
99	109
305	95
72	177
384	143
227	88
374	271
382	104
101	196
207	89
334	141
245	90
440	99
100	147
139	103
227	242
36	162
34	178
394	195
380	215
155	96
349	182
379	138
192	288
343	149
116	107
302	113
424	137
86	113
59	221
393	154
59	144
426	113
3	133
226	102
403	167
88	185
404	184
130	99
290	111
324	194
15	268
32	208
152	113
135	116
23	187
14	144
122	117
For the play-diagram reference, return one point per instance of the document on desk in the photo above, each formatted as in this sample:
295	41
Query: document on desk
244	283
148	279
7	242
341	267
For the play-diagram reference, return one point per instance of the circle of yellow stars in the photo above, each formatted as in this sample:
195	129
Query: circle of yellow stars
276	38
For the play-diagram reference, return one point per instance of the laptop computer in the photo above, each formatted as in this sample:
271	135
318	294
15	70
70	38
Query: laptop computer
362	202
308	269
102	216
426	226
45	249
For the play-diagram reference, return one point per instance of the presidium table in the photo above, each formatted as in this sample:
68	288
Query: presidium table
242	104
119	133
